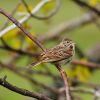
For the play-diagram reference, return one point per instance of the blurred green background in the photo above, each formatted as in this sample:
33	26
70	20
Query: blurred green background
85	37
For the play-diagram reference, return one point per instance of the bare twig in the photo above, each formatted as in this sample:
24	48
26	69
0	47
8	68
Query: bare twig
25	18
47	74
34	39
12	13
52	13
21	91
19	51
94	92
33	81
86	64
7	21
84	4
65	78
85	84
68	26
80	90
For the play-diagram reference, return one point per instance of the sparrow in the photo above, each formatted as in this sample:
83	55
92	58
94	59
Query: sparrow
60	54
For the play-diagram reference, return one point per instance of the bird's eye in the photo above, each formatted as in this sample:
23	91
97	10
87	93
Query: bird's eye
71	47
67	41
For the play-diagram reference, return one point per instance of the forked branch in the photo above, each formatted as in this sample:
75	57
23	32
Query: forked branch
21	91
34	39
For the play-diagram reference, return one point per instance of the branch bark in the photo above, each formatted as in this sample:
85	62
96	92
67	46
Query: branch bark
26	17
68	26
34	39
52	13
33	81
65	78
87	64
21	91
19	51
84	4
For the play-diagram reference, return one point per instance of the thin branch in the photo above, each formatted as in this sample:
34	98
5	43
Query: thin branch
19	51
21	91
52	13
34	39
65	78
90	91
86	64
12	13
85	84
33	81
84	4
68	26
3	42
7	21
80	90
25	18
94	92
47	74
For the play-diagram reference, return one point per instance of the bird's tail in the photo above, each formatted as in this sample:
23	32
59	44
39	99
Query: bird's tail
33	64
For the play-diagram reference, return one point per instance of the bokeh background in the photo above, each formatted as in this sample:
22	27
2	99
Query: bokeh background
86	37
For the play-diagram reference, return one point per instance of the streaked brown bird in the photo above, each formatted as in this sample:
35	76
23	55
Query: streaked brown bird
60	54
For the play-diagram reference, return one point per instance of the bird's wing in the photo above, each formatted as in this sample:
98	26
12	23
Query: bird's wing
54	55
